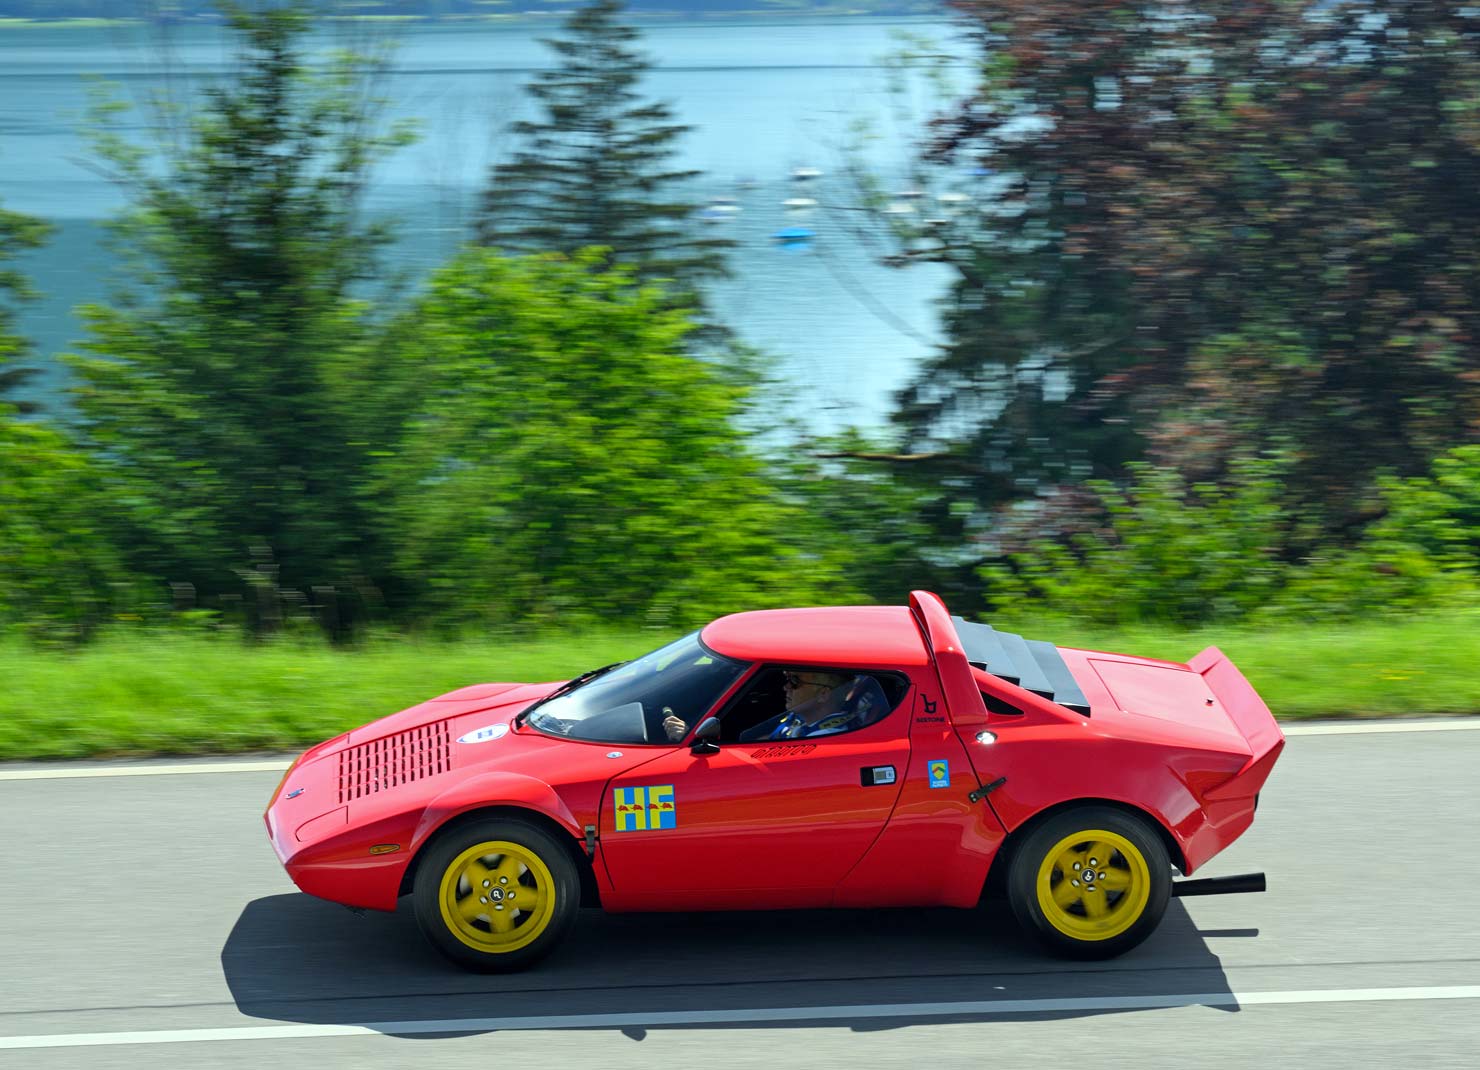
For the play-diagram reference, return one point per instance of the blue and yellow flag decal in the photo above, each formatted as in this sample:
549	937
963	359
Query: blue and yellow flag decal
940	773
641	809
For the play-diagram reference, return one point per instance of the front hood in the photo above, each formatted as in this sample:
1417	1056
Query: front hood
473	730
497	700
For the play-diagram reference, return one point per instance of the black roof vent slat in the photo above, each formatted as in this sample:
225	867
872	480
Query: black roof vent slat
1066	690
1032	664
1033	678
984	648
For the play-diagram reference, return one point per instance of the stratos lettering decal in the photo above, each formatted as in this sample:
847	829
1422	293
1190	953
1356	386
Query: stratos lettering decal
484	734
644	809
795	750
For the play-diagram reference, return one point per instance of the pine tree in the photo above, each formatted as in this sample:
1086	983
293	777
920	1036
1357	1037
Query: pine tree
230	392
592	171
18	233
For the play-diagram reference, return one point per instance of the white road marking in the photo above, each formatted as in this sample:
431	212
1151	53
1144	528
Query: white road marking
73	771
732	1017
1343	728
70	772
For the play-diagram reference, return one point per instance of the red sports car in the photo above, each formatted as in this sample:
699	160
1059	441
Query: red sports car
879	756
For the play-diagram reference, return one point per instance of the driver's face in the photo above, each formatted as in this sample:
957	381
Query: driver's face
805	684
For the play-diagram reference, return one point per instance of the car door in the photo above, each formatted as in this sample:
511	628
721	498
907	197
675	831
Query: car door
758	825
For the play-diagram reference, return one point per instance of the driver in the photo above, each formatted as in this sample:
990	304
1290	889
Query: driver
821	704
817	703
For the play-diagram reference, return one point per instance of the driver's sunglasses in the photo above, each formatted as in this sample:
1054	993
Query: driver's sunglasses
791	679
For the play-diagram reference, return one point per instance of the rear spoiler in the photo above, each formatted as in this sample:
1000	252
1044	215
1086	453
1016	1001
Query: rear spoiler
1250	716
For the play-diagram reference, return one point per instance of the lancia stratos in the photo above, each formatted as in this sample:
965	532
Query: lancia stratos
850	757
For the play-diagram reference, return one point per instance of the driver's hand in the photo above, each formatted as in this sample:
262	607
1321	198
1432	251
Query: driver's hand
675	726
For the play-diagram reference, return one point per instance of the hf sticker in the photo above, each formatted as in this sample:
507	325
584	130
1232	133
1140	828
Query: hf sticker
940	773
643	809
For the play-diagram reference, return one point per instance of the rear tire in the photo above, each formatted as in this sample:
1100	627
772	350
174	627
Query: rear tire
1091	882
496	895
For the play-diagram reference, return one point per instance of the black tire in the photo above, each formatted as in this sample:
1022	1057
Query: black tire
1083	911
531	862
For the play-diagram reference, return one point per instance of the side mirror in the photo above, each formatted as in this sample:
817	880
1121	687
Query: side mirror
706	737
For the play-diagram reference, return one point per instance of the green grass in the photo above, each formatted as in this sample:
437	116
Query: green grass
181	694
173	693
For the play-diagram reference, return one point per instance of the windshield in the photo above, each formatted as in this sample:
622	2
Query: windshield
628	704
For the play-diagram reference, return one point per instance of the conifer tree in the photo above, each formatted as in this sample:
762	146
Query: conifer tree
18	233
231	391
594	169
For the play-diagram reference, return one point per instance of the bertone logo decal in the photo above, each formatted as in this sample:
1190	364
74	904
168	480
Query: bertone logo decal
484	734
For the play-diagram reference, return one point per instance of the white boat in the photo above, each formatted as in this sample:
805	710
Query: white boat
805	174
798	204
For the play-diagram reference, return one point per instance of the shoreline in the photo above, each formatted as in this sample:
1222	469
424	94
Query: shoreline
922	12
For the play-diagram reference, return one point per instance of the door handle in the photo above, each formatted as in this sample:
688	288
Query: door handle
871	775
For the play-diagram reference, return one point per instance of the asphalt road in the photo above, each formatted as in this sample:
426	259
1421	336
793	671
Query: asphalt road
144	922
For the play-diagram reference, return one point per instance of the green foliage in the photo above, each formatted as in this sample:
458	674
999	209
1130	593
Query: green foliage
231	394
18	233
58	573
592	171
1421	554
1212	232
873	519
571	460
1161	552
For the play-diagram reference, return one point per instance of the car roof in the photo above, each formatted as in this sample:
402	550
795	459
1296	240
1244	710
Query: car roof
857	636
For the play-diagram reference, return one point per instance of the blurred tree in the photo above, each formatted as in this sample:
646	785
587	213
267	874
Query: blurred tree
18	233
874	522
573	462
235	396
1421	553
1208	229
59	573
592	170
56	565
1157	551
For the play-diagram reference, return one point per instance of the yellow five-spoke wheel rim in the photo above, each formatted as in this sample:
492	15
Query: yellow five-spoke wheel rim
1093	885
497	896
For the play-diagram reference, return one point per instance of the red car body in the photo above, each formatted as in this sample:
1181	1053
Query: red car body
1187	746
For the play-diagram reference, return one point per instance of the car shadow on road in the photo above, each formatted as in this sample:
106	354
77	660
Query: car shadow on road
293	958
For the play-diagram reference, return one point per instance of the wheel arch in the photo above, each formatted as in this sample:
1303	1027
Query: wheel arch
590	893
1002	860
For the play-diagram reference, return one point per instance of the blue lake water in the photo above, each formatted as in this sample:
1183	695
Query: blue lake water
763	99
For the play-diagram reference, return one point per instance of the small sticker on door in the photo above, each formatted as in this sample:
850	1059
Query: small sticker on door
940	773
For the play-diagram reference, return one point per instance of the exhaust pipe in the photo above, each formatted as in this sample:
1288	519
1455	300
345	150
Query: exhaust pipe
1244	882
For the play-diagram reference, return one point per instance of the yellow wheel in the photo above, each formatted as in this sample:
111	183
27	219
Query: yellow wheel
496	894
1091	882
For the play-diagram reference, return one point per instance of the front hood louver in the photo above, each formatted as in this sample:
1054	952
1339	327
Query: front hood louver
393	760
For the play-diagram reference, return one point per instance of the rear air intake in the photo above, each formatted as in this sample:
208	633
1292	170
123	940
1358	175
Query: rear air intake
394	760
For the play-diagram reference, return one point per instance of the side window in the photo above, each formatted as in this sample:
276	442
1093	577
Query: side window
782	704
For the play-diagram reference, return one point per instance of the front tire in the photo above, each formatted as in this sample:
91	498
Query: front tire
496	895
1091	882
